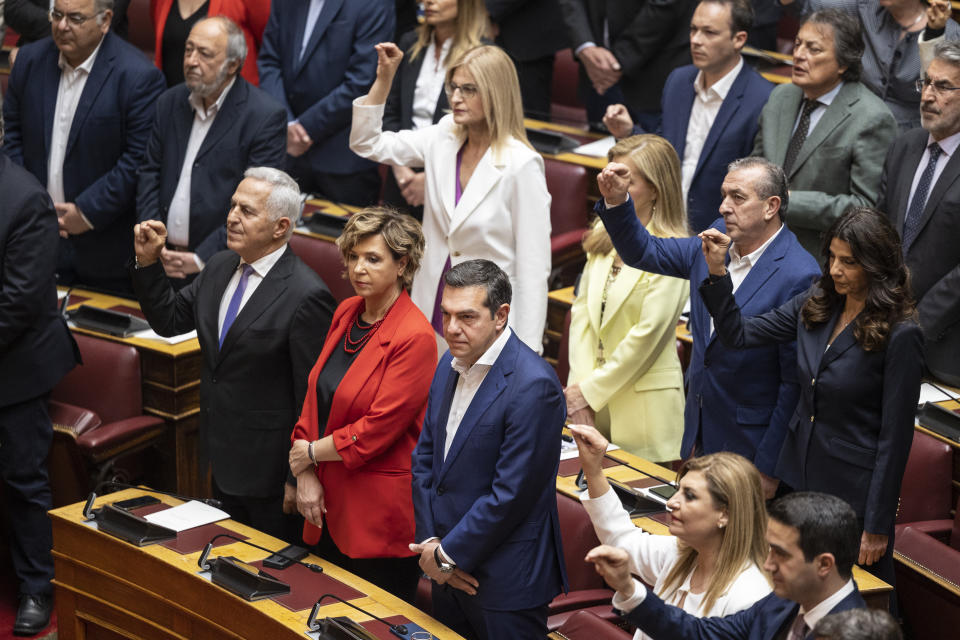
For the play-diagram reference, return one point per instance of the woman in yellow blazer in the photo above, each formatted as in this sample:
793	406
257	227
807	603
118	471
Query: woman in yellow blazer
625	376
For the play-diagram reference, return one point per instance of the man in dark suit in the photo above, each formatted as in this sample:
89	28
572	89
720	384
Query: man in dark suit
78	112
711	109
626	49
36	350
920	191
814	539
317	56
261	316
31	19
484	469
739	401
207	131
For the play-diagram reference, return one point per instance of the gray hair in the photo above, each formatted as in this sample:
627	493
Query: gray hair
284	199
773	183
236	42
947	51
99	6
858	624
482	273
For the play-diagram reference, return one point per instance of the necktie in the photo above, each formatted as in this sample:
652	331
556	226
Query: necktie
800	135
234	307
914	217
799	629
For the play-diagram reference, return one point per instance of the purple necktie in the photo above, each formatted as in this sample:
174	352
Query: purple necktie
234	307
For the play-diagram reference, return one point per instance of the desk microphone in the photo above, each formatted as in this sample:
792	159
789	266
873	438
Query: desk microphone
313	625
206	566
88	506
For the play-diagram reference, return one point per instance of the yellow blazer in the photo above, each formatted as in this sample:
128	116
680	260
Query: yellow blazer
638	393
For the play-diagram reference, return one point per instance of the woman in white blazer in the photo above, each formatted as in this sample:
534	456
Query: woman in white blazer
625	376
486	194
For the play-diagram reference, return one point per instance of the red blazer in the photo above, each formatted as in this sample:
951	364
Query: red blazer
375	419
233	9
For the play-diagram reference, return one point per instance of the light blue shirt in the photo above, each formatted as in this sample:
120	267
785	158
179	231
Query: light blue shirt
825	100
312	14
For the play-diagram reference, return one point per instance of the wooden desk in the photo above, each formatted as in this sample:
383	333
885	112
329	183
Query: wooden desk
107	588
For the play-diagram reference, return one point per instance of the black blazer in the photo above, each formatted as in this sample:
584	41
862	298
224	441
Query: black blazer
251	391
249	131
852	430
29	18
933	258
36	348
398	111
529	29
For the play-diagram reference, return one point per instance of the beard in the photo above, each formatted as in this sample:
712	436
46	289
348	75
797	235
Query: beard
203	89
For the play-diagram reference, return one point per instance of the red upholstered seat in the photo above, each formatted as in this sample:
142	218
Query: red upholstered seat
928	584
926	492
569	212
323	256
586	625
565	107
140	31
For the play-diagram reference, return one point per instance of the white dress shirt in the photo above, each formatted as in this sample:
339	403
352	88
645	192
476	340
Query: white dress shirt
825	100
740	266
178	216
706	106
430	81
812	617
948	146
261	268
72	82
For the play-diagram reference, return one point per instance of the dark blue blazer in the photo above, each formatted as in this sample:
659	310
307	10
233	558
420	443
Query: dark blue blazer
338	65
492	501
762	621
107	140
250	130
852	430
731	135
738	401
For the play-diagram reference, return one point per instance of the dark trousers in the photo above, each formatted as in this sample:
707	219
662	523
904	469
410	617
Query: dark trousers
360	189
263	514
25	437
463	613
536	86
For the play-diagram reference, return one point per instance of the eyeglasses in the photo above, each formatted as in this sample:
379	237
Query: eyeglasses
466	90
939	87
76	19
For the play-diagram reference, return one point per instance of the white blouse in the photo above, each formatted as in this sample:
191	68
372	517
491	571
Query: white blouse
426	91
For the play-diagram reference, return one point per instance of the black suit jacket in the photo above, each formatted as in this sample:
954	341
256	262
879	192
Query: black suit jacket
36	348
249	131
398	111
934	256
529	29
251	391
29	18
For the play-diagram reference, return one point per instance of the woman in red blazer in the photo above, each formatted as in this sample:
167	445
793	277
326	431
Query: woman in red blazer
233	9
364	407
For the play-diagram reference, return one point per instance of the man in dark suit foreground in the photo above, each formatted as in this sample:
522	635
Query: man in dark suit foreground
814	541
261	316
36	350
207	131
484	469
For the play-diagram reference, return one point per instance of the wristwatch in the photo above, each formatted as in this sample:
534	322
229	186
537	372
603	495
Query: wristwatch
445	567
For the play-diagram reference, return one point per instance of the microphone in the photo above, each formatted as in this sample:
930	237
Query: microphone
207	566
88	506
313	625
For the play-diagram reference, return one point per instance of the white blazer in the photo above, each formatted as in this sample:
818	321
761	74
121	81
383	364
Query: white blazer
503	214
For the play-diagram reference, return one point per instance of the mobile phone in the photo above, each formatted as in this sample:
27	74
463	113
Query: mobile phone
664	491
285	557
136	503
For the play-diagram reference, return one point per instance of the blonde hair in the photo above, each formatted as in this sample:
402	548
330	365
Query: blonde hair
471	25
734	486
655	161
400	232
499	91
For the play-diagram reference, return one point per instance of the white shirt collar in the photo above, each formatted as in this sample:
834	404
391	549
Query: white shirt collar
752	257
86	66
197	102
489	356
263	265
827	98
431	52
812	617
948	144
721	87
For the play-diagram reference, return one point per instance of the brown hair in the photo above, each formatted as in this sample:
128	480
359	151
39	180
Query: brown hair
403	236
469	32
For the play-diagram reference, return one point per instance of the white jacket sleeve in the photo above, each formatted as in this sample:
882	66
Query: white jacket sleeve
369	140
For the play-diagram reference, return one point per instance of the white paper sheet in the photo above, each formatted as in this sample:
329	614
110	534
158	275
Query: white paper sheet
597	148
187	516
929	393
149	334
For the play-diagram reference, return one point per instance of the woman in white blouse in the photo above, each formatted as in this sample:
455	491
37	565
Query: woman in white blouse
485	190
710	563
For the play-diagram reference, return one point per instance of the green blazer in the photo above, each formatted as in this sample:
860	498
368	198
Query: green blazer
839	163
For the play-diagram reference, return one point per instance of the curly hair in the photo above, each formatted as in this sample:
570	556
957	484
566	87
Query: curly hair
875	245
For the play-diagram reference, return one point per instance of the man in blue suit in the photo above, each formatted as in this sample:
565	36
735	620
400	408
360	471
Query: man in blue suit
316	57
814	541
78	112
207	131
739	401
711	109
484	469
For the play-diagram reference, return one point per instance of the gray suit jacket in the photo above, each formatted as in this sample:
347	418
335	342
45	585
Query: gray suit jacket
838	165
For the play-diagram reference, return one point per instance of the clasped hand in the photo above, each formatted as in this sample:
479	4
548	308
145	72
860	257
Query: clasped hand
715	246
458	578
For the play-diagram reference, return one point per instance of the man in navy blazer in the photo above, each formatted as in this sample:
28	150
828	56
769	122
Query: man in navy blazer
739	401
711	109
814	540
316	57
207	131
78	112
484	469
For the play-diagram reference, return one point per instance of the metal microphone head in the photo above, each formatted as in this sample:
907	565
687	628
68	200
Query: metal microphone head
216	504
88	506
202	560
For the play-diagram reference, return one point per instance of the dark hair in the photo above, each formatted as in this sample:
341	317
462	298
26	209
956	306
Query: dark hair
741	14
876	246
858	624
482	273
773	183
826	524
847	41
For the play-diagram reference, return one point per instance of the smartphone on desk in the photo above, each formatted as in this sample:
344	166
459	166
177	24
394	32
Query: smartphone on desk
136	503
285	557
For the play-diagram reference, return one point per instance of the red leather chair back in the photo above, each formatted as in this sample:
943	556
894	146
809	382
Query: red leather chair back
108	381
926	490
140	26
585	625
566	107
955	533
578	537
567	184
323	257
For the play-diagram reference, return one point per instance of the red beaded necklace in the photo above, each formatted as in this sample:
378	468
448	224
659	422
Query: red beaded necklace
350	345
